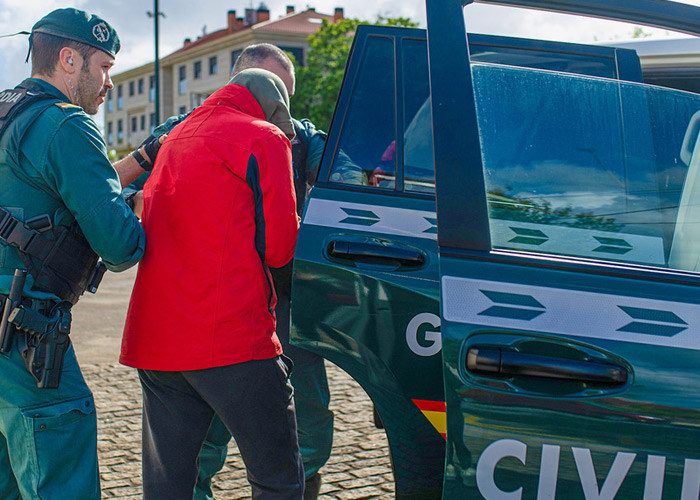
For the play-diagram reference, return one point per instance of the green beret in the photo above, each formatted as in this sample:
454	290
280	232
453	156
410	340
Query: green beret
80	26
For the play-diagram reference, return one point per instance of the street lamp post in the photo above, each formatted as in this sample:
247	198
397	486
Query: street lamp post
155	15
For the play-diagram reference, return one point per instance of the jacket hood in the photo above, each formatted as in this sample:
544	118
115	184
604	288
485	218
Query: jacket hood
270	92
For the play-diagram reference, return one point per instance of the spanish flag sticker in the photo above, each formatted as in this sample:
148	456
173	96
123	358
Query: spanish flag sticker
436	413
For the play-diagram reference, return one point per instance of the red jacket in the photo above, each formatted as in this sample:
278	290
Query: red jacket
219	208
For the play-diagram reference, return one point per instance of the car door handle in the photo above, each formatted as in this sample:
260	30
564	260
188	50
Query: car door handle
506	363
358	250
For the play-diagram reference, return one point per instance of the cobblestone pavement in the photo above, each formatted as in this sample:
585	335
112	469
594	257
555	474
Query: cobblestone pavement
359	465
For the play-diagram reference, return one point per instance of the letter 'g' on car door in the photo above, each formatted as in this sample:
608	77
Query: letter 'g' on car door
569	236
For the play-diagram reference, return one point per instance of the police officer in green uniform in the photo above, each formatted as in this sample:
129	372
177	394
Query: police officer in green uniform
61	208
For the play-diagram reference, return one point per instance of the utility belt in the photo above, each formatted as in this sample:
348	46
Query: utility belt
64	265
41	327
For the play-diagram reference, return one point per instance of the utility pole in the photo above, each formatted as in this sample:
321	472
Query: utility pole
155	15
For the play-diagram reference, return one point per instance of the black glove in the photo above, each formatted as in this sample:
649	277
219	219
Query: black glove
151	145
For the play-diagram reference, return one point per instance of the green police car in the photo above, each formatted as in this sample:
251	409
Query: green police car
502	248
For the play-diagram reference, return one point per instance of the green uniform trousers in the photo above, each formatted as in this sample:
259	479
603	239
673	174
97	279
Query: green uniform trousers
48	437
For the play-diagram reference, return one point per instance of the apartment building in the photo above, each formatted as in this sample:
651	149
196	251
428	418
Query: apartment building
200	67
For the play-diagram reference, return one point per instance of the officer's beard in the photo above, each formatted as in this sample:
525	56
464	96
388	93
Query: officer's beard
88	92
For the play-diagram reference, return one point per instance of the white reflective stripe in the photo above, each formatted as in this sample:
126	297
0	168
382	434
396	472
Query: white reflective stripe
371	218
571	312
579	242
512	235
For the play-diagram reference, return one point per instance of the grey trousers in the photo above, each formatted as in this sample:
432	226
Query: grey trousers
253	399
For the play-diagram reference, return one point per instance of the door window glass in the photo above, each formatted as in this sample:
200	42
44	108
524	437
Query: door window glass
366	148
589	167
583	64
419	171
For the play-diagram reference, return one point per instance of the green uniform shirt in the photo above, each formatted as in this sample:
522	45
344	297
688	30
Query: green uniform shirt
59	167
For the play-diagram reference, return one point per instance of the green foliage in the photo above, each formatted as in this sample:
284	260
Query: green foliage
639	32
318	83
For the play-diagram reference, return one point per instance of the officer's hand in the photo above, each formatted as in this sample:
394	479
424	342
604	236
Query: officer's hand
149	150
152	144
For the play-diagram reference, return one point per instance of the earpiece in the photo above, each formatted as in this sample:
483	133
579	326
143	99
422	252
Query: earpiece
70	60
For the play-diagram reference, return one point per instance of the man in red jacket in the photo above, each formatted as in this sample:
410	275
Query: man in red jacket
219	209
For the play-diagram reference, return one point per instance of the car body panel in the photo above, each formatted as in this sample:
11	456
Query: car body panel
368	280
567	375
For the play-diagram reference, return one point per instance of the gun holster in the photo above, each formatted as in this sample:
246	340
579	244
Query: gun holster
45	341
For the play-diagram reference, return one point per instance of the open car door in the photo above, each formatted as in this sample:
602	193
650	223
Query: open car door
568	224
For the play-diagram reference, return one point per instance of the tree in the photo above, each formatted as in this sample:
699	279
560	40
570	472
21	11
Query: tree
318	83
639	32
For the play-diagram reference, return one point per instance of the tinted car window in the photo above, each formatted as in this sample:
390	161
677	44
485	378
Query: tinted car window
573	166
368	155
366	149
545	59
419	172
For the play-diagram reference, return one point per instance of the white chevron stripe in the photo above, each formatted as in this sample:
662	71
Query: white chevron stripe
568	312
557	240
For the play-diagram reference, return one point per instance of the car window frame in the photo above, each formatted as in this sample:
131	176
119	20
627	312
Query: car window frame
464	228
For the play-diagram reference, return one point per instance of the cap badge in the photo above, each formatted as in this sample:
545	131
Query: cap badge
100	32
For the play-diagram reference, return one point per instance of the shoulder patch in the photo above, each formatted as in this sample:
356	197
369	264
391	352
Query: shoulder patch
66	105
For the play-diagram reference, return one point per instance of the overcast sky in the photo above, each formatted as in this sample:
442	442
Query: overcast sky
189	19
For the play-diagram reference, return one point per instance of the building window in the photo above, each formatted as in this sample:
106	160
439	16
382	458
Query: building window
213	66
110	134
182	81
152	88
140	85
198	69
120	132
131	88
133	123
143	122
152	122
297	52
110	101
120	97
234	58
183	110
